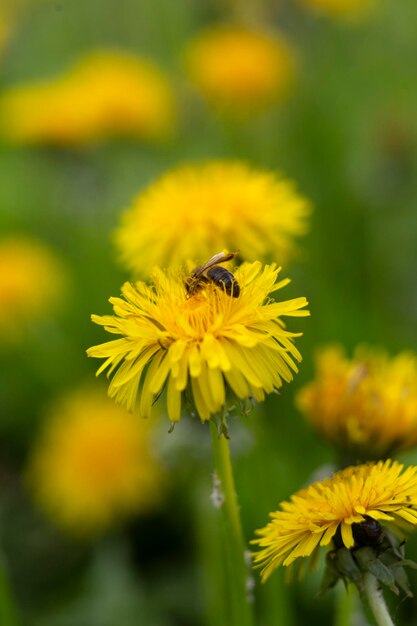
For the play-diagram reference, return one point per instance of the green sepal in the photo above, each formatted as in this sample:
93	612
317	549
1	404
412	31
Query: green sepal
398	569
330	576
347	565
394	544
368	561
401	579
340	564
220	420
385	561
406	563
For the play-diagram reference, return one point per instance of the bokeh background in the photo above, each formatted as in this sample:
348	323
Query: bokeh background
346	133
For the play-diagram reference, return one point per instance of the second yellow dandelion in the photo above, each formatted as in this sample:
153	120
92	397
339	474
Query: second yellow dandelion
240	70
341	9
384	492
107	93
32	281
197	210
366	406
93	465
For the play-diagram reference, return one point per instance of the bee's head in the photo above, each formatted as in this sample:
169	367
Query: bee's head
191	285
188	284
191	282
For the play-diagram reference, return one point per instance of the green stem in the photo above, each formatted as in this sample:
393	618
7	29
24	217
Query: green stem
376	601
210	539
346	605
235	546
8	611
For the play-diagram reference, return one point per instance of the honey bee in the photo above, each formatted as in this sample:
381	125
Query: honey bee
211	272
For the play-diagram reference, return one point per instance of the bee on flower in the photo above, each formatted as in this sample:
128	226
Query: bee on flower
203	347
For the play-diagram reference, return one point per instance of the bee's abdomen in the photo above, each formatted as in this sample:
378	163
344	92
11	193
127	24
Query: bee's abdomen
224	279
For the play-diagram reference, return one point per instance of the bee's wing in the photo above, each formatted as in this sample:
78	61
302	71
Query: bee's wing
220	257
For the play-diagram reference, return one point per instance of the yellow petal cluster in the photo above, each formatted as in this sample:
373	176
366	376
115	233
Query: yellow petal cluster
366	405
92	464
238	69
198	347
32	279
381	491
197	209
104	94
341	9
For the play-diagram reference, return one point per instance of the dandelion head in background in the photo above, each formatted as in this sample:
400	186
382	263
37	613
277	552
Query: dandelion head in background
105	94
351	515
131	95
5	30
203	348
345	10
10	16
32	282
366	406
239	70
195	210
92	465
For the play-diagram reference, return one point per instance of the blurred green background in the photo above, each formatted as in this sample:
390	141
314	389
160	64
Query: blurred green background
347	135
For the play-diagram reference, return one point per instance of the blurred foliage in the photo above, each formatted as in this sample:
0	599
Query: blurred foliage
347	135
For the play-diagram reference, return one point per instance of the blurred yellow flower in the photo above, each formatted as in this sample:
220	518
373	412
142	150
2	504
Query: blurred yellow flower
367	405
32	279
196	210
240	70
105	94
199	347
341	8
380	491
92	465
4	31
10	11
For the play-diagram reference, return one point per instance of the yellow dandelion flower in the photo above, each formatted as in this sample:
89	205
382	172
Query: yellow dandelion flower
366	405
105	94
201	346
93	465
31	280
195	209
130	95
10	11
240	70
5	29
342	9
312	518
